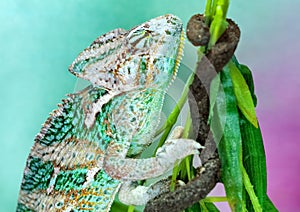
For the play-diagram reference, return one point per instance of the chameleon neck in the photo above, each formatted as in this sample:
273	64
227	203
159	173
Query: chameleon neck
138	112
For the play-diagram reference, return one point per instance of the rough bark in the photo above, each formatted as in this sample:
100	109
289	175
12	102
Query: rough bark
190	193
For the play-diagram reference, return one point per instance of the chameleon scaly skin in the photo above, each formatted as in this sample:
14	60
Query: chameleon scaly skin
86	148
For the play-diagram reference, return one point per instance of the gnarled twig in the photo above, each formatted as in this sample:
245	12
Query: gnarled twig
208	66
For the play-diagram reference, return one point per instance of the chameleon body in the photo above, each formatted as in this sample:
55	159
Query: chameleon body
85	150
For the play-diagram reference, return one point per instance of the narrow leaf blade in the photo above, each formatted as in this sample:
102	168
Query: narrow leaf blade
243	94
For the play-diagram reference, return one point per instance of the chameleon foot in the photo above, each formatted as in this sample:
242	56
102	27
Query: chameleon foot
177	148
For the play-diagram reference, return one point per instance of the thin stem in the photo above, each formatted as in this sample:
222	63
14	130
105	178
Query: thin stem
215	199
208	13
174	176
130	208
203	206
219	23
213	8
160	130
176	168
187	128
188	166
172	118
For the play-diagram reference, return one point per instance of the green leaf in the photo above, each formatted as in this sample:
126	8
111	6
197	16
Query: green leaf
208	207
243	94
217	28
230	146
254	158
219	24
245	71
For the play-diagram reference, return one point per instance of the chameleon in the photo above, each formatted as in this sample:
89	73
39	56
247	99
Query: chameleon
88	149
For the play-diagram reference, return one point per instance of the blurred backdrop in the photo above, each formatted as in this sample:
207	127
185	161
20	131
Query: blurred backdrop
39	39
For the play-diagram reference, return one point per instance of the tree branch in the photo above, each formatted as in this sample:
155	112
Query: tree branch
207	68
191	193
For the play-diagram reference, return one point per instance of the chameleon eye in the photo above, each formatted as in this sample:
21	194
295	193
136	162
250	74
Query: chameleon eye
139	32
135	35
140	38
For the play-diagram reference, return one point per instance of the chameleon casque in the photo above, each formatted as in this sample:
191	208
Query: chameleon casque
86	150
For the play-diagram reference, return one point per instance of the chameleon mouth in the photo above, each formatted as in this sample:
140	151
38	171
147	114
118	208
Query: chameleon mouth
179	55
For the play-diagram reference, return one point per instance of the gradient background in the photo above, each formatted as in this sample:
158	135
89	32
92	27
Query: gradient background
39	39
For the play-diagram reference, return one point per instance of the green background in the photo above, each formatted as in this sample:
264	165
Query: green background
39	39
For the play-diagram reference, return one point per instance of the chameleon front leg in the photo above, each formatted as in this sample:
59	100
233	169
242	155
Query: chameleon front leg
127	169
133	194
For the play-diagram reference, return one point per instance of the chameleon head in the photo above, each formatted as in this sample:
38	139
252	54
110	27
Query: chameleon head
158	45
145	56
